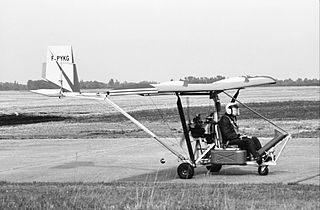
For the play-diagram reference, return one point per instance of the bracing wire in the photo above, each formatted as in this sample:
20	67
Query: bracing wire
168	126
138	144
160	113
105	105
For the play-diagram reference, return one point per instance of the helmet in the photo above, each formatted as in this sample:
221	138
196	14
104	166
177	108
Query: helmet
232	109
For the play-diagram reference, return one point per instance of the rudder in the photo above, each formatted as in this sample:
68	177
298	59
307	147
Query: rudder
60	68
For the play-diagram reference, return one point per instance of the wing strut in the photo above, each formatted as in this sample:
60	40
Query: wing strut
263	117
185	129
136	122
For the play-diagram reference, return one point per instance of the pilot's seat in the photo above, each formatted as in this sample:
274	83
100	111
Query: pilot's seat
222	143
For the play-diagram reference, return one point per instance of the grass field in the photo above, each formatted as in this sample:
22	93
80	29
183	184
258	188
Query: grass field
155	195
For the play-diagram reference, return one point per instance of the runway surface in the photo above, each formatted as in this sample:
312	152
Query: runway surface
123	159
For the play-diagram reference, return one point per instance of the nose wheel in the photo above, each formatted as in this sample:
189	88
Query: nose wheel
263	170
185	171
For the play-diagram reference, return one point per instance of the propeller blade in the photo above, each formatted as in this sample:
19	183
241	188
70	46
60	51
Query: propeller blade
182	141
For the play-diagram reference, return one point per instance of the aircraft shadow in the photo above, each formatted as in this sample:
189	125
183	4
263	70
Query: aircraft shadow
155	176
167	174
171	174
78	164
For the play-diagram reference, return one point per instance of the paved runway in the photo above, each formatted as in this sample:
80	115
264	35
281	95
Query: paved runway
106	160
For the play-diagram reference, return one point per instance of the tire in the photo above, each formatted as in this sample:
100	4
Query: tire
214	167
185	171
263	170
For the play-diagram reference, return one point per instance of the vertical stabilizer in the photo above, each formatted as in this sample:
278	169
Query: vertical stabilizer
60	68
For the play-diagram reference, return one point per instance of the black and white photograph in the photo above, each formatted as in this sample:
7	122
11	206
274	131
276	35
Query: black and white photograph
159	104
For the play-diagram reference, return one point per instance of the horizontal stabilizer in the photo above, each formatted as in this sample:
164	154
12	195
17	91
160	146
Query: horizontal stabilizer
48	92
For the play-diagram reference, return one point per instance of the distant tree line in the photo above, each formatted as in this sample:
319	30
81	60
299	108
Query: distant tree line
286	82
92	85
41	84
197	80
112	84
298	82
12	86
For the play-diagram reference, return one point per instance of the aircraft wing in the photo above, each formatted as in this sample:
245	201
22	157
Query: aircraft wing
183	87
60	69
225	84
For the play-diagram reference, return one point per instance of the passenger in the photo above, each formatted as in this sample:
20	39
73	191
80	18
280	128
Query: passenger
231	136
196	128
197	120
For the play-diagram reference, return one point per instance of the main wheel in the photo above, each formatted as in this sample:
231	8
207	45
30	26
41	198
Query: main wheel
185	171
263	170
214	167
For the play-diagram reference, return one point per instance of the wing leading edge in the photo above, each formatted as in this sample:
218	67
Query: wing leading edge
183	87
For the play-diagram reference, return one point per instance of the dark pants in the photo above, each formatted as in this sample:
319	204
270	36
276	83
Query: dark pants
256	142
252	145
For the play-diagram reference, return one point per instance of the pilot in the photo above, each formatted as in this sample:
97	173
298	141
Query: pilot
231	136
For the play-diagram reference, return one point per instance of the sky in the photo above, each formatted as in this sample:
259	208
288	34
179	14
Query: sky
146	40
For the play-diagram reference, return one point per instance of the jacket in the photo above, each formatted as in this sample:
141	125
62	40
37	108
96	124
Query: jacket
229	128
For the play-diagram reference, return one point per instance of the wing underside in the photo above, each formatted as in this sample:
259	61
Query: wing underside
183	88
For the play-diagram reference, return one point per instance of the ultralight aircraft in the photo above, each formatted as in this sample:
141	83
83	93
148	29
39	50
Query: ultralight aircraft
60	69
